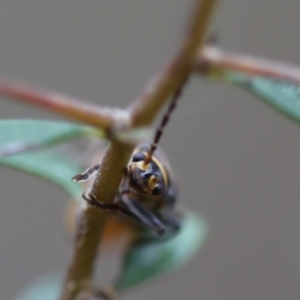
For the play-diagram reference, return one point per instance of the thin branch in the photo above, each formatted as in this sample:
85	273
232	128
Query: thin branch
92	220
58	103
215	61
91	223
178	69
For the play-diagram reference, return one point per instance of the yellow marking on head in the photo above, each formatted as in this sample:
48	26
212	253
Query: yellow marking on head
152	182
161	168
141	165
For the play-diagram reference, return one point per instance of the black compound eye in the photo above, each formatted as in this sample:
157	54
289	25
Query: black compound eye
138	157
147	175
158	190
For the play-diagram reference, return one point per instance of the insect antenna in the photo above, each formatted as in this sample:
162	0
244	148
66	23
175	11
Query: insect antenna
164	122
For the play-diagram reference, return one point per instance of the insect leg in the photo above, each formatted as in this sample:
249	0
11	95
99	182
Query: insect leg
171	220
87	174
92	200
132	209
137	211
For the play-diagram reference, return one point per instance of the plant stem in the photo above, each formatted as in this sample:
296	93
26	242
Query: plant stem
213	60
90	227
91	222
61	104
178	69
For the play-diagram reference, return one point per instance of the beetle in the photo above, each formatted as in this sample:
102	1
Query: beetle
148	191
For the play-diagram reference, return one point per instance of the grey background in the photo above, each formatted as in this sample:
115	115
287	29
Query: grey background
237	160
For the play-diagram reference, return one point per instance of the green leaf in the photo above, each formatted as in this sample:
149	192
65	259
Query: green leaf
18	136
45	288
50	166
282	95
149	257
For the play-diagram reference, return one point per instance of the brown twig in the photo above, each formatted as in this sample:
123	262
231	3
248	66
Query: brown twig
178	69
213	60
65	105
92	221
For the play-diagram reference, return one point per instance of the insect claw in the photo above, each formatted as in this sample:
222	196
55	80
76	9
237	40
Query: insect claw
86	175
77	178
93	201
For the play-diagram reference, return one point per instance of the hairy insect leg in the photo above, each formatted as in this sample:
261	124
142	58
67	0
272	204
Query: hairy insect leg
92	200
141	214
87	174
131	208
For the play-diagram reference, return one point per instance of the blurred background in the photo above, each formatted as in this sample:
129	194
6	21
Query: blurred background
237	160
